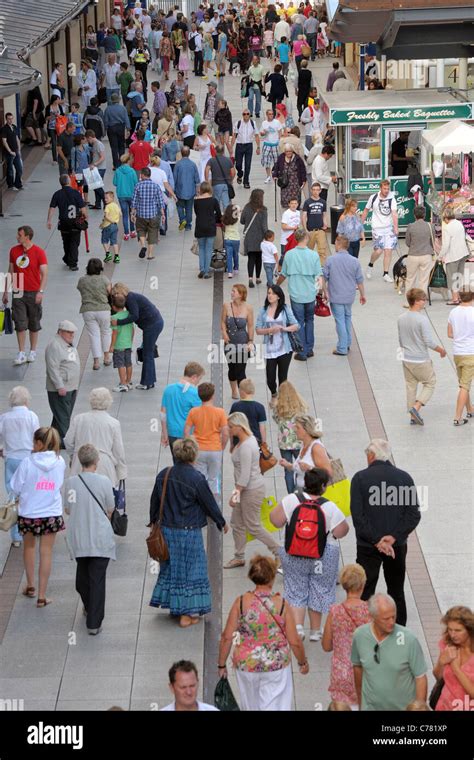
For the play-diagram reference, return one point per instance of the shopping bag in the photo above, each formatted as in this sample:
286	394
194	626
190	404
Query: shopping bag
61	124
7	321
224	698
321	307
171	208
438	277
339	490
267	505
93	179
2	320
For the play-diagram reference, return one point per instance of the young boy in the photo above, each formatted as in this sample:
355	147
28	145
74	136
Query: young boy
177	401
109	227
125	79
76	117
121	345
209	425
314	219
254	410
283	50
269	255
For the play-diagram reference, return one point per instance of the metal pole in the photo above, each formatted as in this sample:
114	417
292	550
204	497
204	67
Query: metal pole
275	182
362	67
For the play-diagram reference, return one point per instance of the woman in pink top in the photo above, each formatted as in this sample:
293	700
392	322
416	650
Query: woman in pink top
341	623
298	44
263	630
456	661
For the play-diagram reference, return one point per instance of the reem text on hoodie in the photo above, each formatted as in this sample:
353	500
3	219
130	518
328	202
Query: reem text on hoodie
38	482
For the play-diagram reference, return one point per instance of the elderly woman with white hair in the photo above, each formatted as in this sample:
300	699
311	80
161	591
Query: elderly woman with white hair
290	173
17	427
90	537
102	430
249	491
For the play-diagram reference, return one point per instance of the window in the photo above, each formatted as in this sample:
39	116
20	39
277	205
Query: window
366	152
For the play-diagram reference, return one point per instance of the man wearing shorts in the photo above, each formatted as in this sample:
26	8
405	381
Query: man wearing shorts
28	274
461	330
148	212
384	227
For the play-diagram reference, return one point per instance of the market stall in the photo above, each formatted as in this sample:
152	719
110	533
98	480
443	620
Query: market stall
379	135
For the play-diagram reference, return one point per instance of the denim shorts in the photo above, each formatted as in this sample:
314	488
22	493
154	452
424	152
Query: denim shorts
110	234
122	358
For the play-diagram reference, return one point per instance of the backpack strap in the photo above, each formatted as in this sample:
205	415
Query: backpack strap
242	604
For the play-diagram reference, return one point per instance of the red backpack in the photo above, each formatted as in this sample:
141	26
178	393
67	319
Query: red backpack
306	534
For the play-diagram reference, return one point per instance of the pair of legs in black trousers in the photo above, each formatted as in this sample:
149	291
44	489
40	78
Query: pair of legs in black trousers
116	135
280	364
71	241
61	407
394	573
90	584
254	261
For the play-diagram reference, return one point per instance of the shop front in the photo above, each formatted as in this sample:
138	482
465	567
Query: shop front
378	135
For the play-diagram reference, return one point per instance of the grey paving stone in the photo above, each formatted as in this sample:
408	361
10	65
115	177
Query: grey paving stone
29	688
82	662
111	688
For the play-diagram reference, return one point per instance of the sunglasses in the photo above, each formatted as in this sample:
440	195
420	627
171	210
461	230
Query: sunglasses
377	654
246	113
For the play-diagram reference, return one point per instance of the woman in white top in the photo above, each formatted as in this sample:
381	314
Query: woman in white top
187	127
312	453
158	176
311	584
454	253
203	144
37	484
17	428
104	432
87	83
249	491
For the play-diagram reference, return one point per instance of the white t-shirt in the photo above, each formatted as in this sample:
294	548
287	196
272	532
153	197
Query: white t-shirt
461	320
332	513
293	218
202	707
382	210
116	21
312	119
207	27
158	176
16	432
268	250
272	129
188	121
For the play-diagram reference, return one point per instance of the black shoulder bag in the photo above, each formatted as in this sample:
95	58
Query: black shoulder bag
230	188
295	342
118	521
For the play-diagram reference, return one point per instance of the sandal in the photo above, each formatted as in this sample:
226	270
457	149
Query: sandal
457	423
453	303
43	602
234	563
29	591
470	415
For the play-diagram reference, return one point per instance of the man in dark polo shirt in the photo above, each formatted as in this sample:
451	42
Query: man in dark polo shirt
27	277
12	152
71	206
314	220
65	145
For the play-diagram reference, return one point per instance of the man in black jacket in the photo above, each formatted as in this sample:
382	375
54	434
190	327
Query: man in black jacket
385	510
71	206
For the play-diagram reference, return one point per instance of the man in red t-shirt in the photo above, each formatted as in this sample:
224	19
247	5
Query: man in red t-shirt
141	152
28	274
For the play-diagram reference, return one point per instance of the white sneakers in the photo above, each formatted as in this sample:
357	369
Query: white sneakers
315	635
20	359
368	273
268	180
300	631
387	278
120	388
31	356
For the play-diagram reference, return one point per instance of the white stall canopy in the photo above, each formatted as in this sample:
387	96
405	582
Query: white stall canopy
453	137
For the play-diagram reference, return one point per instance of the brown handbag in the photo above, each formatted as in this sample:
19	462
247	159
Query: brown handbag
267	459
156	542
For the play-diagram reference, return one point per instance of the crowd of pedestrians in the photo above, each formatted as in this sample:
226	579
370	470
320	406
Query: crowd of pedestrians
172	155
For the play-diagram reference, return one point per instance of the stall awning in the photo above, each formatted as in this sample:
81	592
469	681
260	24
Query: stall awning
25	26
453	137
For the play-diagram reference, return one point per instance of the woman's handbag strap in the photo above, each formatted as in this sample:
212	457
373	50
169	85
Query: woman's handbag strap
163	494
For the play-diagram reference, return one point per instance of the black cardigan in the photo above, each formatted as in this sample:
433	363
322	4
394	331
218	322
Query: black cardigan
208	214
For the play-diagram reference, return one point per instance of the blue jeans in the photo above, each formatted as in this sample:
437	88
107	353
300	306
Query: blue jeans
289	455
150	336
221	194
269	269
304	313
110	91
342	313
354	248
185	211
206	248
126	207
14	162
232	251
11	465
254	93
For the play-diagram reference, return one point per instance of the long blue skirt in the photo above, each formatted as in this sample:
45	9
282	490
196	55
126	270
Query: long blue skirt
183	584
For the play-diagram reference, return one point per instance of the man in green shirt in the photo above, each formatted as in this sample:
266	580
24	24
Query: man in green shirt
125	79
302	266
389	665
121	345
255	74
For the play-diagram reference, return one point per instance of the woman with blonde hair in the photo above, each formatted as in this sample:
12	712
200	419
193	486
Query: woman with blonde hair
166	123
37	485
351	227
312	453
341	622
249	491
237	328
456	662
265	629
289	404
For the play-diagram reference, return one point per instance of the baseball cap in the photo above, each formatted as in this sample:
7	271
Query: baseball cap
212	84
67	326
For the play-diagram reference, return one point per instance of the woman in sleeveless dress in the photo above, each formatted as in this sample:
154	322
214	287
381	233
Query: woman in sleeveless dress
237	327
203	144
262	625
312	453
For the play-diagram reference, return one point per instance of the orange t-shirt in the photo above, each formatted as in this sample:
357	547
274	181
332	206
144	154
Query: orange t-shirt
207	422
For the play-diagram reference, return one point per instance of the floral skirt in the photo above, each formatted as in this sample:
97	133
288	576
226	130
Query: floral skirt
183	583
40	526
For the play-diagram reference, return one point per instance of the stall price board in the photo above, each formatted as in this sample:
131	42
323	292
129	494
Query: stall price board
468	223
